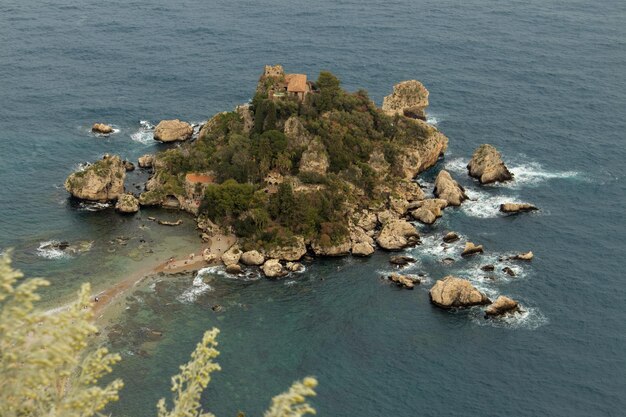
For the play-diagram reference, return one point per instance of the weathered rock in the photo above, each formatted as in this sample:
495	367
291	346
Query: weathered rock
528	256
397	234
366	220
172	130
100	181
486	165
341	248
314	159
451	237
296	133
428	210
362	249
293	252
507	270
208	256
487	268
272	268
252	257
129	166
101	128
448	189
447	261
146	161
401	260
409	98
471	249
385	216
502	305
127	203
232	255
398	205
294	266
234	269
517	208
403	281
247	116
452	292
426	145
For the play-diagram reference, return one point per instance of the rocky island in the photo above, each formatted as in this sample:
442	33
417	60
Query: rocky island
304	168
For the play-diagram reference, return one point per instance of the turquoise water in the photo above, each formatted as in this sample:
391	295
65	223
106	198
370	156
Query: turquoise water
541	80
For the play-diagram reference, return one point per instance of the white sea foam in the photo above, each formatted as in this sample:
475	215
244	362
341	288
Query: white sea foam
432	119
144	134
530	318
198	287
484	205
47	250
93	205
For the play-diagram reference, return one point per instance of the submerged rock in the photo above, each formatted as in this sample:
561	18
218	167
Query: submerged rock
507	270
127	203
471	249
448	189
488	268
502	305
517	208
397	234
234	269
401	260
101	128
453	292
100	181
409	98
172	130
486	165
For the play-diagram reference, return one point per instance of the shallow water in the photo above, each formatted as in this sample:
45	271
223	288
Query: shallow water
542	80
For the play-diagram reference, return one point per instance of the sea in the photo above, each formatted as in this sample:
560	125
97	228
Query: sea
542	80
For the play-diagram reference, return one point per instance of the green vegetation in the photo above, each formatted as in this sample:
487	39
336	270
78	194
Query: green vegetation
240	154
47	368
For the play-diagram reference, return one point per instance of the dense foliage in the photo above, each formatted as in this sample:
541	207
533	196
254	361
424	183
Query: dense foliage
46	368
240	154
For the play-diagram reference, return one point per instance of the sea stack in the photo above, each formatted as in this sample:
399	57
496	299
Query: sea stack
487	166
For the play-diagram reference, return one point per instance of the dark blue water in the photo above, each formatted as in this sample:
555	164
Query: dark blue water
544	81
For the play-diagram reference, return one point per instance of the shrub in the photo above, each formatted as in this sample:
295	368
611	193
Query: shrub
226	200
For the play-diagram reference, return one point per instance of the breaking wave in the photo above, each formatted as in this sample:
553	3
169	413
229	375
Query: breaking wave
530	318
484	205
144	134
48	250
198	287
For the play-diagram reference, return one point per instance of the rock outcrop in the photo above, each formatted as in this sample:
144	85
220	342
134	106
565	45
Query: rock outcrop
403	281
101	128
362	249
341	248
234	269
100	181
448	189
471	249
517	208
146	161
424	144
528	256
231	256
451	237
486	165
501	306
428	210
362	243
172	131
293	252
252	258
401	260
452	292
272	268
296	133
315	159
409	98
127	203
397	234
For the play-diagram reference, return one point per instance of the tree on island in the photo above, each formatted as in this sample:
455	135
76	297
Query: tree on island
47	368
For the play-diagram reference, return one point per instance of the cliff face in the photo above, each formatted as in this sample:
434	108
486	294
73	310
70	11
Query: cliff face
100	181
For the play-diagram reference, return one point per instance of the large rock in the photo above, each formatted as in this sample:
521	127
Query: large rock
452	292
362	249
127	203
315	159
451	237
362	243
403	281
146	161
232	255
252	258
517	207
272	268
100	181
422	146
366	220
245	112
172	130
528	256
428	210
397	234
502	305
101	128
448	189
409	98
486	165
293	252
341	248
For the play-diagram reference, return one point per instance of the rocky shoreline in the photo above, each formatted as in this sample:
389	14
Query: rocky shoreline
381	220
